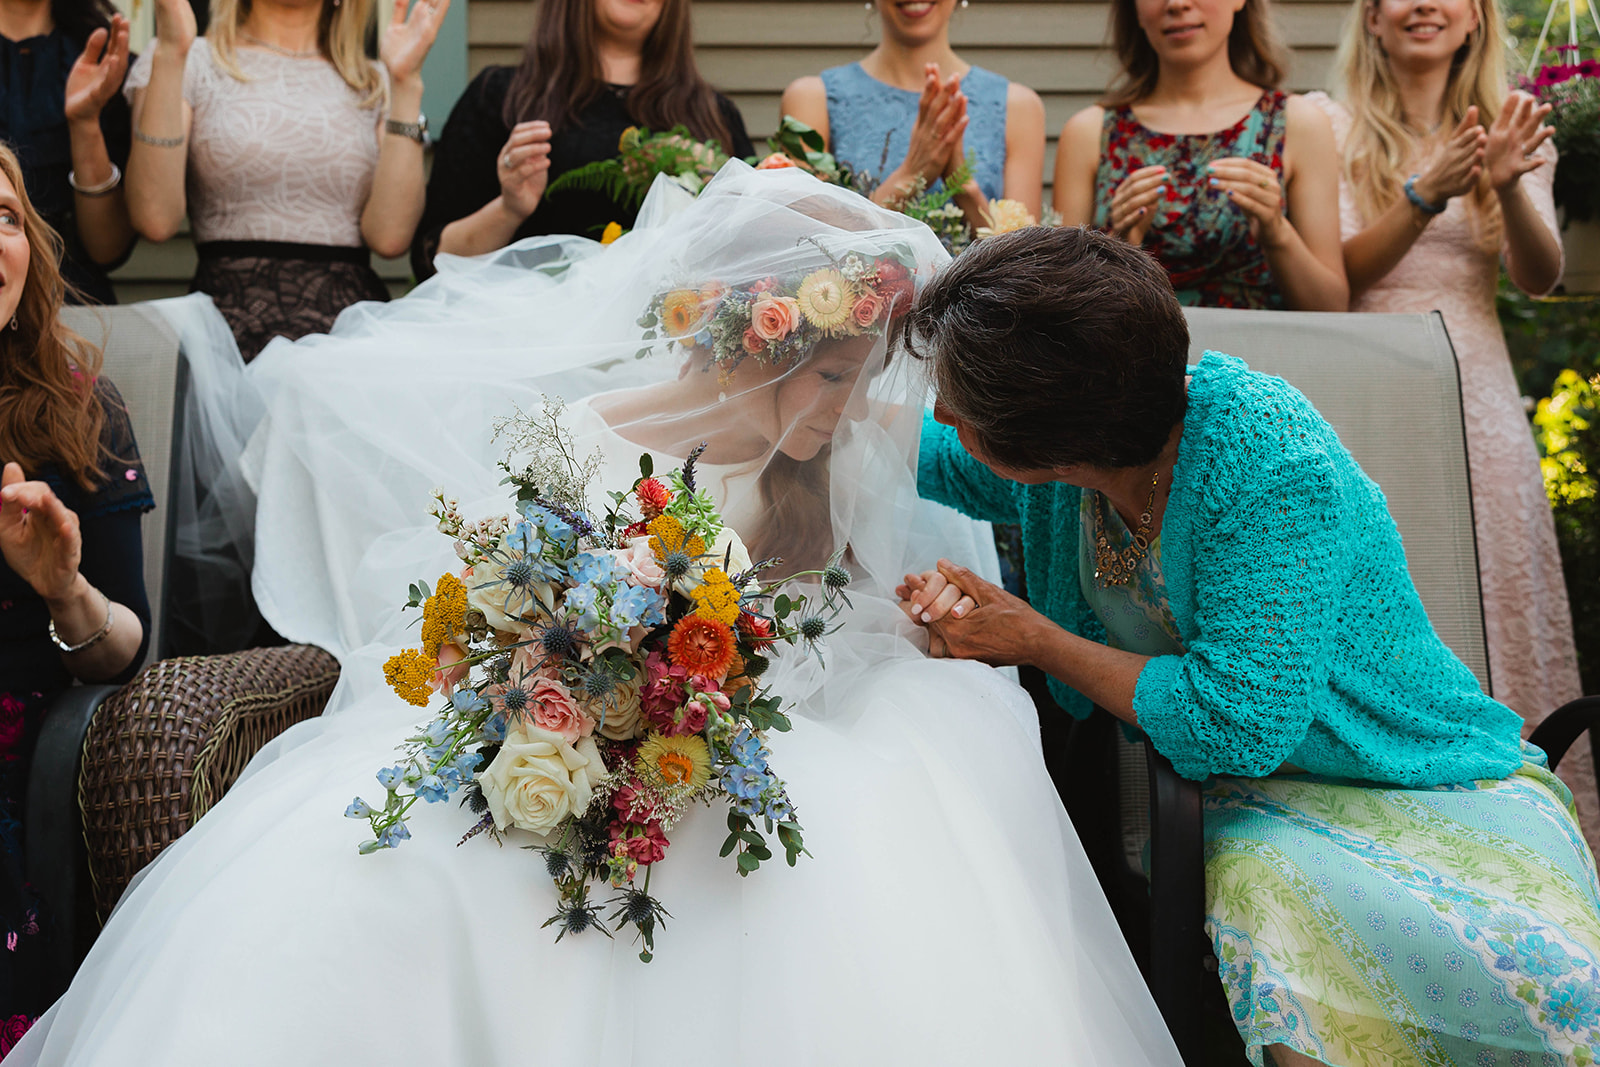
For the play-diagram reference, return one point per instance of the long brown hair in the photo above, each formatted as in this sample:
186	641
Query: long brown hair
1254	51
560	74
49	411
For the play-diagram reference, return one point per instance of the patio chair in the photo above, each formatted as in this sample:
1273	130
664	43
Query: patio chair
1389	385
118	774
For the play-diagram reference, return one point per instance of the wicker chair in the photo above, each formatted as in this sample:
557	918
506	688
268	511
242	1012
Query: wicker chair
118	774
1384	382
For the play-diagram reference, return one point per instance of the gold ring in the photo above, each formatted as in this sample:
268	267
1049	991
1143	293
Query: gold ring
1265	184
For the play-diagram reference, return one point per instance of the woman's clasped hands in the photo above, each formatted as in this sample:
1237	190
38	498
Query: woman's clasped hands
937	147
969	618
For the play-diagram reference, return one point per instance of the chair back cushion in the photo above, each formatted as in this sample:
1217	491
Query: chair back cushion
1390	386
141	359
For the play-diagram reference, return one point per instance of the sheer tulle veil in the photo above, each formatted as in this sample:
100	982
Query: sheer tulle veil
400	399
946	913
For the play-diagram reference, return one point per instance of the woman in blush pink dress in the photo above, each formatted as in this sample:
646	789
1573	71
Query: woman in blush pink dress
1445	177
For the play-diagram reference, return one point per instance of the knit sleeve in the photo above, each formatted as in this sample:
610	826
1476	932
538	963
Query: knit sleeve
1239	700
946	473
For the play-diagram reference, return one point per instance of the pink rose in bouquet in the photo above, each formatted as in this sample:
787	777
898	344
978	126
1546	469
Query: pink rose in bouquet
867	309
643	567
553	707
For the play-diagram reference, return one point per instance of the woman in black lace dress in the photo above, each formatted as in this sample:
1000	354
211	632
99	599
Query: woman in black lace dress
72	599
591	69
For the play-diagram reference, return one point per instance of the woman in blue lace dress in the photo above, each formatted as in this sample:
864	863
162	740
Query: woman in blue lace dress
1392	875
912	111
72	600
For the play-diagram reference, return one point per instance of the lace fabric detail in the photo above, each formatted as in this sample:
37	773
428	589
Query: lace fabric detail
263	297
864	114
288	155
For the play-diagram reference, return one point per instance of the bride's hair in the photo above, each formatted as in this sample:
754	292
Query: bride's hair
796	520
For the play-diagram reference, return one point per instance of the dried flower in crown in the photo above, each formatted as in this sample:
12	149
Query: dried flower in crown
776	321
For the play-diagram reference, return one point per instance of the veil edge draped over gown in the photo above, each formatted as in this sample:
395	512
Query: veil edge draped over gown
947	913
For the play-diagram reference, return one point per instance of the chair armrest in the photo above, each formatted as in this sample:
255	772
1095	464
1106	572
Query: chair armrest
167	746
1564	725
1178	951
55	853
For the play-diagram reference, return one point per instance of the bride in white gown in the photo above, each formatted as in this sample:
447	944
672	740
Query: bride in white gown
947	913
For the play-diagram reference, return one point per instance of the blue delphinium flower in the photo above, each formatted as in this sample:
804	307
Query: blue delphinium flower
432	789
553	526
748	750
469	701
595	568
358	809
638	605
437	733
494	728
390	777
580	604
745	783
391	837
779	810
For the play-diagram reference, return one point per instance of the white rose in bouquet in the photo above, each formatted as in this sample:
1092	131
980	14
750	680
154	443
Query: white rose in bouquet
487	591
728	545
537	779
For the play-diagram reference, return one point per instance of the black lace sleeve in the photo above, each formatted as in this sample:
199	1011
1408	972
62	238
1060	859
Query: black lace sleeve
124	486
740	147
464	177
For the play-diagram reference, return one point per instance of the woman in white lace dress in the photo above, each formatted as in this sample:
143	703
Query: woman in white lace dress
1426	77
291	152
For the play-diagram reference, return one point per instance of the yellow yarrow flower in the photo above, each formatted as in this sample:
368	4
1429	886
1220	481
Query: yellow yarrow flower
667	535
675	762
716	597
825	300
409	673
444	614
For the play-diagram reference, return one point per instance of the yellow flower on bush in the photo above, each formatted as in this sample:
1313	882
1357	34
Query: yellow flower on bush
716	597
675	762
612	231
667	536
825	300
682	313
409	673
444	614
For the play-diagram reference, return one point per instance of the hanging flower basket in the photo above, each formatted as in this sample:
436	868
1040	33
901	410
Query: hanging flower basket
1570	84
1580	239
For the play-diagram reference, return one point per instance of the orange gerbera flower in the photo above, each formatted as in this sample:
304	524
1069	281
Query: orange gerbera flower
682	313
702	646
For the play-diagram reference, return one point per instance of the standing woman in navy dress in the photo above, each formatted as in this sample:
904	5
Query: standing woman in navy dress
914	109
72	599
61	64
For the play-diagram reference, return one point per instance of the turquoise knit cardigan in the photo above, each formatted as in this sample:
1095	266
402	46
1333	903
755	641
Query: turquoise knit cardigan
1306	640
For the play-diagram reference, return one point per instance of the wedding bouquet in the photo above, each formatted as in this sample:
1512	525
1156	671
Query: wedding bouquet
602	675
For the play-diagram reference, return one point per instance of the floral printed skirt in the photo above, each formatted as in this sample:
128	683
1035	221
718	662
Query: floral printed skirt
1457	925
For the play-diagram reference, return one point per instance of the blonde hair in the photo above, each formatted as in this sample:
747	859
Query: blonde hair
1380	146
341	38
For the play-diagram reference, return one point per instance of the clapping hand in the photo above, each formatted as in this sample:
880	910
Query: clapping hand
1133	205
1258	192
97	75
1453	171
407	38
524	167
1517	133
941	122
967	617
175	25
38	535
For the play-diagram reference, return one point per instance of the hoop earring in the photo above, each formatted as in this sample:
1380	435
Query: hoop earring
964	4
13	322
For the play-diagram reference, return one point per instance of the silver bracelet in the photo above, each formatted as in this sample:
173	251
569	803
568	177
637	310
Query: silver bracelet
105	188
89	642
157	142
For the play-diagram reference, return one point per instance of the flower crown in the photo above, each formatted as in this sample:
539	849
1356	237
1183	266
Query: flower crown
775	321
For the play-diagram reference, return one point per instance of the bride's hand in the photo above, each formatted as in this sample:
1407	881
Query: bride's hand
929	597
997	630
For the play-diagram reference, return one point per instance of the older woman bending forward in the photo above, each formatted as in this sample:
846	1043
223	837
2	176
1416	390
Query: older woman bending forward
1392	876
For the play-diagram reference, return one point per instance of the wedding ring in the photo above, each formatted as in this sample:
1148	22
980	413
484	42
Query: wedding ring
505	161
1265	184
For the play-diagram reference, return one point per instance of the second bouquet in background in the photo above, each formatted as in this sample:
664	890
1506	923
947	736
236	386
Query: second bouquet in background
601	670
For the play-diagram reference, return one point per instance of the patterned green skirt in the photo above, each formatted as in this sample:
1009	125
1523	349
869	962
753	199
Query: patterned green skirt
1456	926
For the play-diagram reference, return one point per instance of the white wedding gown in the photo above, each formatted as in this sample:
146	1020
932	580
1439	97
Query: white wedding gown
947	914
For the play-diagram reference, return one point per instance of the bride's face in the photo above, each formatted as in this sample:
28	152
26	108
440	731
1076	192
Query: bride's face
801	409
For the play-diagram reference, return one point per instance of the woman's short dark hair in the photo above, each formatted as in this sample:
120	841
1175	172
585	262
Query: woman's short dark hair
1058	347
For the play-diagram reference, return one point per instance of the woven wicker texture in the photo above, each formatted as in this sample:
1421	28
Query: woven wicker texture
168	745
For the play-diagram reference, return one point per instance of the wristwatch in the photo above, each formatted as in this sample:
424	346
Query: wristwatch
416	131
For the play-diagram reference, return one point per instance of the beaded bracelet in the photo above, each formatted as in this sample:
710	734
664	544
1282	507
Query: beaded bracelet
157	142
1419	203
90	641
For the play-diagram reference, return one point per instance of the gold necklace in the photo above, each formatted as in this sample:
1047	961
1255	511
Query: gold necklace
1113	566
292	53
